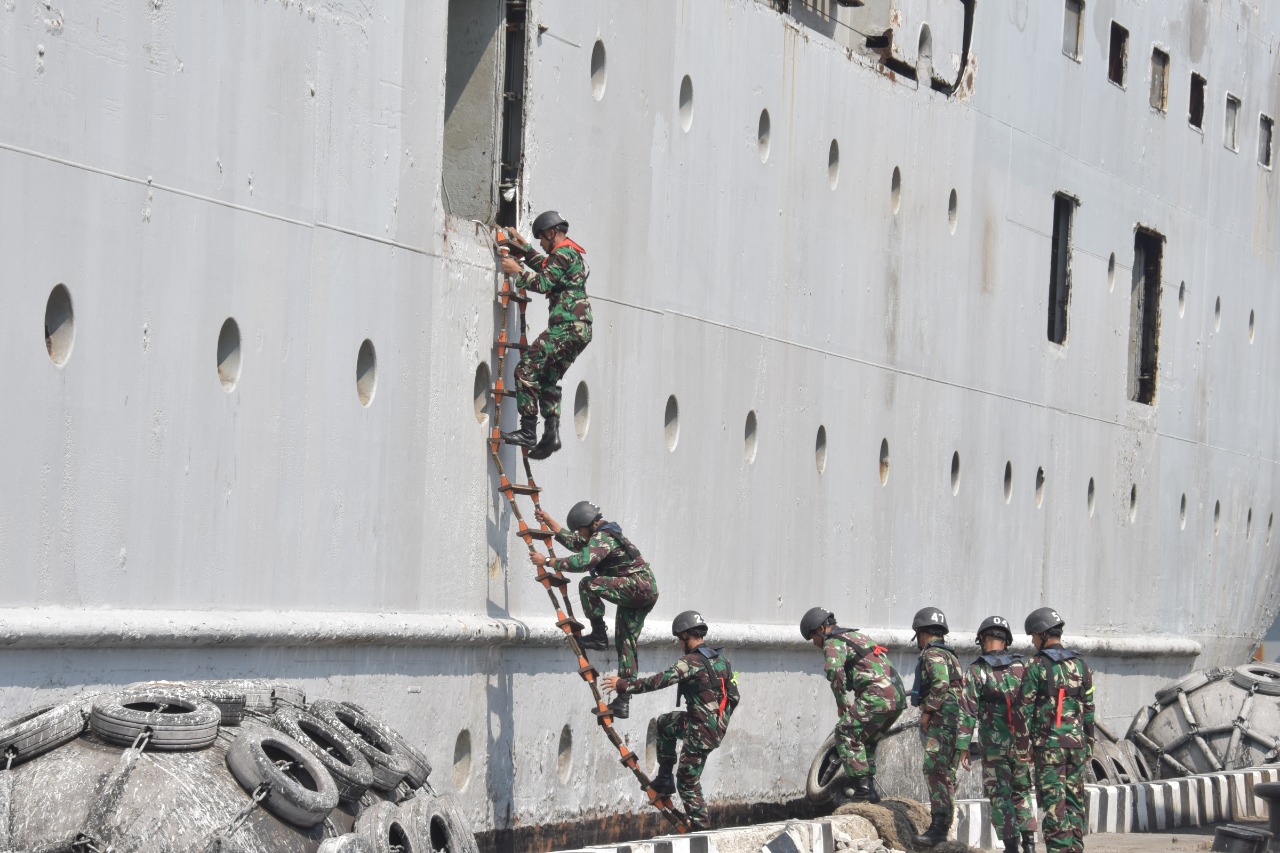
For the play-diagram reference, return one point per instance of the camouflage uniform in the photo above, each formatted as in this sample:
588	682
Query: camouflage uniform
854	664
709	687
990	701
562	277
936	691
1057	712
618	574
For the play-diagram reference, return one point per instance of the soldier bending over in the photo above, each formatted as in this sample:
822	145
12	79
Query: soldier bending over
854	664
709	687
618	574
561	275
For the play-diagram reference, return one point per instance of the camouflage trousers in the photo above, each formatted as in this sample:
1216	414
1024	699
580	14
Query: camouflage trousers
1060	792
542	366
860	729
1006	782
670	728
635	596
940	761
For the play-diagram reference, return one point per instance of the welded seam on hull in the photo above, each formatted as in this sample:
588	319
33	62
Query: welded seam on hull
44	628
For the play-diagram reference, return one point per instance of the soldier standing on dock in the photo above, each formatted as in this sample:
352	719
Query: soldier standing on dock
989	703
561	275
709	688
855	665
618	573
937	693
1057	712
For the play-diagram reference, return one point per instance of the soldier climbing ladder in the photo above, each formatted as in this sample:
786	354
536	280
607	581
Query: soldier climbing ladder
555	582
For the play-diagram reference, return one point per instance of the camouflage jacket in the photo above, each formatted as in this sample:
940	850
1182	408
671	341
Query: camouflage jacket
562	277
606	552
854	664
937	686
709	688
1057	702
989	703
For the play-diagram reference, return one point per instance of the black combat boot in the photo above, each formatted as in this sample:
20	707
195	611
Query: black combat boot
527	435
621	708
862	789
1028	842
935	834
599	636
1011	844
550	440
664	782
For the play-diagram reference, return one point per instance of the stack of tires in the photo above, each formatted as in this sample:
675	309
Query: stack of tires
332	770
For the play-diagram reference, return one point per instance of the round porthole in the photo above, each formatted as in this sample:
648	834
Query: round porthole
59	325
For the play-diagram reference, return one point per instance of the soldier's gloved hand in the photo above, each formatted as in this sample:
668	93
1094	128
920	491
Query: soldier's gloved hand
510	265
964	759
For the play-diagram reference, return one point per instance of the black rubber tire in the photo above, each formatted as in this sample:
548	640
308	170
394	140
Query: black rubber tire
419	767
379	744
178	720
333	747
388	829
40	730
350	843
825	772
440	824
251	759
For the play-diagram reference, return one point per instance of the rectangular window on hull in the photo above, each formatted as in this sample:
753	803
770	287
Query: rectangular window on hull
1060	267
1071	28
471	117
1195	109
1118	57
1229	136
1144	316
1265	126
1159	79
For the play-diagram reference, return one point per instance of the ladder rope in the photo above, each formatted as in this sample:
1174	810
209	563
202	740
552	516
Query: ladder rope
553	581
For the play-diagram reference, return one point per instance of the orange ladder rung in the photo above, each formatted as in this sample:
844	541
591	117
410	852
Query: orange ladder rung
555	579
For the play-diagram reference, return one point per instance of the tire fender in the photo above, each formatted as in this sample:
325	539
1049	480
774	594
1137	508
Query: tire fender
176	719
386	828
38	731
252	760
376	740
332	747
821	779
440	824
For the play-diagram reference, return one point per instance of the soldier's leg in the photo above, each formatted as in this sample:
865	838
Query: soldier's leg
689	786
1020	788
669	728
874	723
589	593
1073	777
528	370
940	771
997	774
851	748
567	343
1052	795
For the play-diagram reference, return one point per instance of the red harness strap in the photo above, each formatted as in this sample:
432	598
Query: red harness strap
878	650
1062	691
1008	709
724	696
